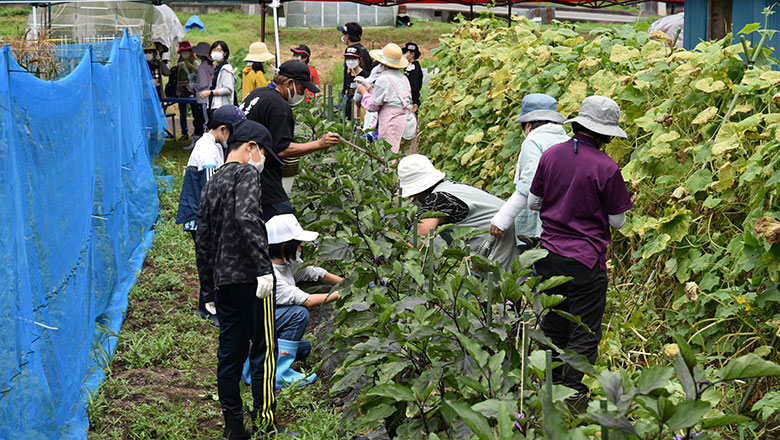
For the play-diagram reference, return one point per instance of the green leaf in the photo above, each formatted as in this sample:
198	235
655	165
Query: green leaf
531	256
685	350
392	390
349	378
699	180
717	422
685	377
553	282
474	420
687	414
474	349
655	245
611	421
552	421
492	407
473	384
336	249
654	378
750	28
747	366
415	271
575	319
612	384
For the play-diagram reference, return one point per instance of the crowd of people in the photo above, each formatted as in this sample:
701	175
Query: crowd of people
235	205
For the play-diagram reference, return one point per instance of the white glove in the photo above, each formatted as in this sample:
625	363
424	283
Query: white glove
364	82
265	286
211	308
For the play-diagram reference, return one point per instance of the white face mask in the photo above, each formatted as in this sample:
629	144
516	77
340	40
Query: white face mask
224	135
217	56
260	166
351	64
409	56
298	259
344	39
149	56
297	57
295	99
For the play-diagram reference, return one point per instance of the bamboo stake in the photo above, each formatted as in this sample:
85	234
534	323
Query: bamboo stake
341	138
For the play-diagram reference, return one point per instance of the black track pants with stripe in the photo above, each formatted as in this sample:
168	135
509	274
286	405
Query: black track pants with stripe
244	317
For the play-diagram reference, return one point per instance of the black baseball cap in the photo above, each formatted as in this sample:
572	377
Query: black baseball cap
351	51
411	47
248	130
229	114
297	70
352	29
302	49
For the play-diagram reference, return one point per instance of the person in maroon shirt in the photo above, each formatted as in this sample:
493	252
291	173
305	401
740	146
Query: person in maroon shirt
579	193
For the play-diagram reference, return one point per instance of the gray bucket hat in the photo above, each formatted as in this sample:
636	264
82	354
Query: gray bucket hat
539	107
601	115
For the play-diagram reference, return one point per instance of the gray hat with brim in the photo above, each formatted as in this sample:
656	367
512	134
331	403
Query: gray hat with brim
538	107
601	115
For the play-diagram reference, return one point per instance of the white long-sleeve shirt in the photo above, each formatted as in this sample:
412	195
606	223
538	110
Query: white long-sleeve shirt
287	293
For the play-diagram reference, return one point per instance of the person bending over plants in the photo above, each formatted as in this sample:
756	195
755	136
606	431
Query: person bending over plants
579	193
464	205
285	235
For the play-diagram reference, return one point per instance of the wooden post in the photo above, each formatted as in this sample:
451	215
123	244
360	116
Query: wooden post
262	21
509	12
720	18
489	305
471	9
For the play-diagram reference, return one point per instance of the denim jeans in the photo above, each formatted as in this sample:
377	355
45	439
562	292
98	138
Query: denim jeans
291	323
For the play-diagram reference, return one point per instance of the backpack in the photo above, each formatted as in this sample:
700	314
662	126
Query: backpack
173	82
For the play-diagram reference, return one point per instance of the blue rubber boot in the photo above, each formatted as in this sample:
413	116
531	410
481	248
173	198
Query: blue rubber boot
285	375
246	375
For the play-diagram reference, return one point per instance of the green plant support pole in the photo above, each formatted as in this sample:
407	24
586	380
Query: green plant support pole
430	259
548	372
489	305
330	103
414	236
753	383
526	341
604	429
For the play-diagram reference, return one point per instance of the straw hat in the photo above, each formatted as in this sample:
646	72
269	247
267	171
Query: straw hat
601	115
416	174
258	52
391	56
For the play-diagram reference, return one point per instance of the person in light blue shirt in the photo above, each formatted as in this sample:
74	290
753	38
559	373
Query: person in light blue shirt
542	128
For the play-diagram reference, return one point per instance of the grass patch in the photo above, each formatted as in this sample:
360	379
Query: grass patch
13	21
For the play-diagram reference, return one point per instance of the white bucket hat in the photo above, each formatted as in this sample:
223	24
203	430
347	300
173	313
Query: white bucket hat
601	115
285	227
417	173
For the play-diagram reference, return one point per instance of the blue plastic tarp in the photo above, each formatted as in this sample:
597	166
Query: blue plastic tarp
77	206
194	22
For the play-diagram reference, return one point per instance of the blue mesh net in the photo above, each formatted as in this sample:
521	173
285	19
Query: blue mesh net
79	199
70	55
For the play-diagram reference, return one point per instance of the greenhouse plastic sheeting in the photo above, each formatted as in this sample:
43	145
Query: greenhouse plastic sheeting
77	205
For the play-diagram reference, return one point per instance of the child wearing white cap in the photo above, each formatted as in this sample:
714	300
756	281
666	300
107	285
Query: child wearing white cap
291	311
